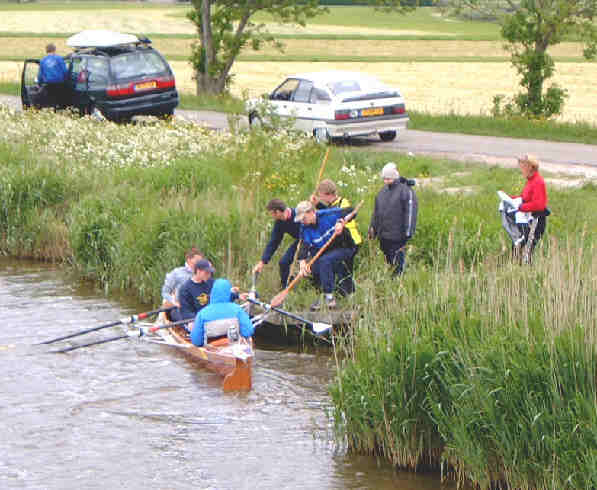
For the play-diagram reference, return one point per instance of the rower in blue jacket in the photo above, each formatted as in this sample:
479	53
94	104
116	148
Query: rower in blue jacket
220	315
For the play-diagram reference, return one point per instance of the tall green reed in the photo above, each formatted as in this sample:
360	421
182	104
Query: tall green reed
484	370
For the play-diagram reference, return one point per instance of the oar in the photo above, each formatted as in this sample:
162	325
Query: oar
123	321
279	298
298	247
142	331
319	328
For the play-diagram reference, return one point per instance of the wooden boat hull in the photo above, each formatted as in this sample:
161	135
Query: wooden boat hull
233	362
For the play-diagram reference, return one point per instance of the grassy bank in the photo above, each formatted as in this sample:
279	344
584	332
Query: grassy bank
485	372
470	362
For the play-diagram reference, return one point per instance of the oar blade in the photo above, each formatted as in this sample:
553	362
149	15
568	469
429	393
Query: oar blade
320	328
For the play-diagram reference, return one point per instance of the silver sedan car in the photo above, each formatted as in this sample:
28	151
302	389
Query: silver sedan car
335	104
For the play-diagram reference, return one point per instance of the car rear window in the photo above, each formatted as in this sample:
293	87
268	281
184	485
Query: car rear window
366	85
137	64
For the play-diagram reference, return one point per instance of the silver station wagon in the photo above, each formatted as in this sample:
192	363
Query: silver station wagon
335	104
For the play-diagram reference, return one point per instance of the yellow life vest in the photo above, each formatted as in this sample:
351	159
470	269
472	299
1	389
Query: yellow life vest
342	202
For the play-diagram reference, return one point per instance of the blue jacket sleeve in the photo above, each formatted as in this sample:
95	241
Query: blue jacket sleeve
274	242
198	332
246	325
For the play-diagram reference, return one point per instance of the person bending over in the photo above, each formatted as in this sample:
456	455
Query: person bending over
317	227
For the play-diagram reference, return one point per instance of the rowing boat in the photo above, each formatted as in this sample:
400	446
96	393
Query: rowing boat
232	360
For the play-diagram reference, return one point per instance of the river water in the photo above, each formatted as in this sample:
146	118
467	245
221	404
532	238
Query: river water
135	415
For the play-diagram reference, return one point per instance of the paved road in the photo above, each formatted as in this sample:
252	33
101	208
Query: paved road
566	157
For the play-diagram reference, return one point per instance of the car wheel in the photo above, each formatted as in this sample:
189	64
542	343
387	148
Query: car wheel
321	135
388	135
255	120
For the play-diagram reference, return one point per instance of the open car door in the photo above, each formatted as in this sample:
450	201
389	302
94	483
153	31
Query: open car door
30	89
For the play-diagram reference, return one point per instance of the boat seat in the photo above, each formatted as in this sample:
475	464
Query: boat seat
224	327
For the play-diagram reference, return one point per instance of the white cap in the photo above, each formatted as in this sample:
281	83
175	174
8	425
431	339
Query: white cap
390	171
302	208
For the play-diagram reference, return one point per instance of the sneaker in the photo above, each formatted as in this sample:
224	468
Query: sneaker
330	303
315	306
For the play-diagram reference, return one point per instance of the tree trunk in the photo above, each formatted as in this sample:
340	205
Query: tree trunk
206	84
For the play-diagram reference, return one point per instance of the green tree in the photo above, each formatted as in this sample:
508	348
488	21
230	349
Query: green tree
530	27
224	28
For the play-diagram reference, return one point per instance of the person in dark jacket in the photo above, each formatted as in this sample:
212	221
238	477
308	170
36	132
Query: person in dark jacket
52	76
317	227
194	293
394	217
283	224
220	315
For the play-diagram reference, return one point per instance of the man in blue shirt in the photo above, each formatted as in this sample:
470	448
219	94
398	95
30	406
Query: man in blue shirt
283	223
52	75
317	228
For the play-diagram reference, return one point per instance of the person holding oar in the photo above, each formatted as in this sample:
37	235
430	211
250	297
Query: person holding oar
326	196
283	224
317	230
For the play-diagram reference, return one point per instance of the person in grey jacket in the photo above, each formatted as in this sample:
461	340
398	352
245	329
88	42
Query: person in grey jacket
394	217
177	277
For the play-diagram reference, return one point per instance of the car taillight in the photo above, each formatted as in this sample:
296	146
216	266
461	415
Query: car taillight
166	82
342	115
398	109
119	89
130	88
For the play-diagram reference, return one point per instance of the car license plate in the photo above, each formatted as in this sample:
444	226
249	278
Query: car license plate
374	111
145	86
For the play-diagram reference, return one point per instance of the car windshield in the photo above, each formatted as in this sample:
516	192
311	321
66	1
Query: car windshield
360	85
137	64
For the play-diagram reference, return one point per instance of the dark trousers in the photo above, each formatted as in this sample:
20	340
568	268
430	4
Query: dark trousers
525	229
54	95
394	253
334	265
285	263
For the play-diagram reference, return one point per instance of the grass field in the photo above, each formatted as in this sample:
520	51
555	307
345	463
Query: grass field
462	88
180	49
170	19
456	74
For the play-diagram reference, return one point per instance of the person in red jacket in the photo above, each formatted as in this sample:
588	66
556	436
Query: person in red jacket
534	199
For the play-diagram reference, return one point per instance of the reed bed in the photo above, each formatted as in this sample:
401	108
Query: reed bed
484	371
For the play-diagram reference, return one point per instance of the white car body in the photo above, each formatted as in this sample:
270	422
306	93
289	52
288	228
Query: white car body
336	104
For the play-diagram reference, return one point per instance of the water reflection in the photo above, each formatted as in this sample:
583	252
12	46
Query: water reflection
136	415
